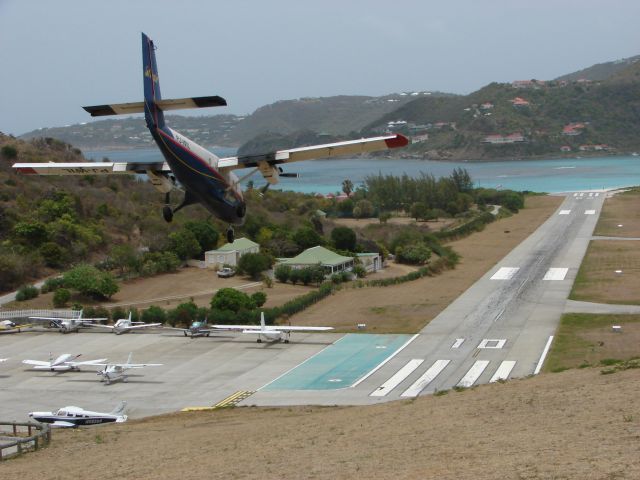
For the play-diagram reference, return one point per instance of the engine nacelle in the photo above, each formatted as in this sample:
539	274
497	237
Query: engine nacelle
162	182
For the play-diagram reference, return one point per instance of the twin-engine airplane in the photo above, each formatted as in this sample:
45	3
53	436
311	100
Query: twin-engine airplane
76	416
205	178
63	363
125	325
271	333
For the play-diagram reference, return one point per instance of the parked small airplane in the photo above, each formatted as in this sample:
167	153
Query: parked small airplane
76	416
271	333
205	178
66	325
196	329
125	325
63	363
116	371
7	326
3	360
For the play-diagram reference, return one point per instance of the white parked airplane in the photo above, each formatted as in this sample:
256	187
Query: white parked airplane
196	329
66	325
117	371
63	363
272	333
8	326
76	416
125	325
3	360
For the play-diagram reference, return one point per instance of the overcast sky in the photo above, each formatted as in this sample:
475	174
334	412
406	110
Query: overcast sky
56	56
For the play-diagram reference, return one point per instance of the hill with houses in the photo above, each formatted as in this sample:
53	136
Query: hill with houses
593	111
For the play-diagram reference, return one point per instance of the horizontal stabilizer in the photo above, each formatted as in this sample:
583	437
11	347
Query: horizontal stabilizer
168	104
89	168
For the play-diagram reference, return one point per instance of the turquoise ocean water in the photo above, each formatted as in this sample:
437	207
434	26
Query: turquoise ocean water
555	175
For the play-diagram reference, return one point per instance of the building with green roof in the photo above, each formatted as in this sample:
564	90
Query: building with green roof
230	253
330	261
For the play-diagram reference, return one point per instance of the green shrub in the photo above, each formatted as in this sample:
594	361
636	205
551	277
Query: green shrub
61	297
26	292
52	284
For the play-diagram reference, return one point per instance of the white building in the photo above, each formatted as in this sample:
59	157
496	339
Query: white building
230	253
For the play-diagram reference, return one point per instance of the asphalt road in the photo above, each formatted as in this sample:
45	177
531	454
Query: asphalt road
498	328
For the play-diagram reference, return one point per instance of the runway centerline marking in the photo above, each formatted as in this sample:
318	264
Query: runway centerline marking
503	371
556	274
473	374
564	212
397	378
589	212
426	378
505	273
458	343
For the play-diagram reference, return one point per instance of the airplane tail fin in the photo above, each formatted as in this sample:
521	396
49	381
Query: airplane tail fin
262	322
152	114
130	312
119	410
130	357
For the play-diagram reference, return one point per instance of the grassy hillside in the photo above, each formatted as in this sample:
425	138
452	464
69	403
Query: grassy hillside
600	71
609	112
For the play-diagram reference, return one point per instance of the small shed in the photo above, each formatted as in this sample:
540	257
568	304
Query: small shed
372	262
230	253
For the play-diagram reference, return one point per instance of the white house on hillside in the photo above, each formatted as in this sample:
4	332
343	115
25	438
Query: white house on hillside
230	253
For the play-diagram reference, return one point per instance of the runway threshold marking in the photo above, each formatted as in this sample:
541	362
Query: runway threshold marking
505	273
397	378
564	212
503	371
426	378
473	374
556	274
543	356
589	212
385	361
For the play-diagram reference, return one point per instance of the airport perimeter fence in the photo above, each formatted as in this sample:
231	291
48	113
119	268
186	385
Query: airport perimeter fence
62	314
14	442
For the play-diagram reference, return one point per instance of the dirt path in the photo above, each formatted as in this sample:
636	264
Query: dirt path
408	307
573	425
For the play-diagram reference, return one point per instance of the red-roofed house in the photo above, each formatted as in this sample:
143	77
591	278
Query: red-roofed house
519	102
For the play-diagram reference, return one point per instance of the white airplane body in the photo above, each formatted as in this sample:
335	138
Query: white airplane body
196	329
63	363
117	371
9	326
66	325
75	416
125	325
272	333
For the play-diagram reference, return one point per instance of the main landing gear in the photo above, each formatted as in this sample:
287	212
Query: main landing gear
230	235
167	212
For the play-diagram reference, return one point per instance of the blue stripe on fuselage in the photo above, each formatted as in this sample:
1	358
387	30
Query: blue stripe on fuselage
197	176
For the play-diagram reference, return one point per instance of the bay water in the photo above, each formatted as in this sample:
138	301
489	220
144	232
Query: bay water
326	176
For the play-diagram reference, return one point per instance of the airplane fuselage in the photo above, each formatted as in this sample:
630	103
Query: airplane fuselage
196	169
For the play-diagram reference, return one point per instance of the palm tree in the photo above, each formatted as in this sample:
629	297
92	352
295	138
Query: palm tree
347	187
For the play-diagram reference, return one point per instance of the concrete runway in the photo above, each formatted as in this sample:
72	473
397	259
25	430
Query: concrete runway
498	328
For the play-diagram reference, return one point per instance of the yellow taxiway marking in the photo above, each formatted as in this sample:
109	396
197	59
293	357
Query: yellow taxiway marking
230	401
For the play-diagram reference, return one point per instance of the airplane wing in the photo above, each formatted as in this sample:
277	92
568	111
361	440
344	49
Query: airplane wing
37	363
100	325
90	168
146	325
140	365
266	161
273	328
87	362
3	360
61	424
